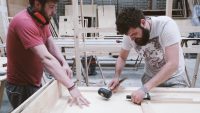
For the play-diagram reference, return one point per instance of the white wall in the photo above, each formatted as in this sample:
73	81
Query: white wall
3	19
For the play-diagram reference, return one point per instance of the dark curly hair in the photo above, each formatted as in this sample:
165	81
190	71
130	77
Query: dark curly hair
41	1
128	17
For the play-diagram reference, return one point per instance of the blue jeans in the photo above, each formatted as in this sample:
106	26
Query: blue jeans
17	94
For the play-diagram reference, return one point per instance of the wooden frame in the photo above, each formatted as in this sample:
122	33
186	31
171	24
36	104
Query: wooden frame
2	85
95	47
54	97
3	61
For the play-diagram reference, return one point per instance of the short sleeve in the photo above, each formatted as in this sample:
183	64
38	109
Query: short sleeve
127	43
170	34
28	34
48	31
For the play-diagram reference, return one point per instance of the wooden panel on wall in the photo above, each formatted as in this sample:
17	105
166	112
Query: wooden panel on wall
14	6
66	26
88	10
106	18
8	8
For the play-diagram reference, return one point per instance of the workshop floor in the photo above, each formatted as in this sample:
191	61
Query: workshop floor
133	76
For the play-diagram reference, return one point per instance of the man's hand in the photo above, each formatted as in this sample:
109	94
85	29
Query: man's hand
137	96
113	85
68	70
77	98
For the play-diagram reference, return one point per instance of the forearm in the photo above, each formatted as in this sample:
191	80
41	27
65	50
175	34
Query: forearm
54	50
54	67
164	74
119	66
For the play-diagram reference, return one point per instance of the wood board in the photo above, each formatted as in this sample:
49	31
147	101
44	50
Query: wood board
53	99
15	6
106	19
98	47
88	10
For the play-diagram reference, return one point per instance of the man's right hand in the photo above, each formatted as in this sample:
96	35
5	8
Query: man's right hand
113	84
77	98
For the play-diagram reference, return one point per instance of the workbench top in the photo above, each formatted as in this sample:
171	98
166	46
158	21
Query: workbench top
54	99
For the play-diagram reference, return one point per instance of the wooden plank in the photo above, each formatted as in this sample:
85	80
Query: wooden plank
88	10
76	40
106	19
147	108
31	104
14	6
2	85
99	47
49	97
171	107
169	4
99	104
3	61
117	103
61	104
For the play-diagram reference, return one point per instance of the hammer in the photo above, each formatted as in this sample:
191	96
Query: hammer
107	93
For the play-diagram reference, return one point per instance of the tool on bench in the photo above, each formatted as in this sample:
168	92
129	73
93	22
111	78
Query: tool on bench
145	98
107	93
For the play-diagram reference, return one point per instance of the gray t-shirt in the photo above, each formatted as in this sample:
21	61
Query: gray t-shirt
164	32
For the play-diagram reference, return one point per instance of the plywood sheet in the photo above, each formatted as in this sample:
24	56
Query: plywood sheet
117	104
66	26
14	6
66	22
163	100
98	47
54	99
106	18
88	10
171	107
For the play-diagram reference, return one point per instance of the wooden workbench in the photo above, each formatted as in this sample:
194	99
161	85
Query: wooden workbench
53	99
92	46
2	85
3	61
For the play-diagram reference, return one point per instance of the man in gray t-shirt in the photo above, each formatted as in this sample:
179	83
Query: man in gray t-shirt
157	41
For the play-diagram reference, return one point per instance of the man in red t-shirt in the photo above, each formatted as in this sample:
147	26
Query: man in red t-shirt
30	49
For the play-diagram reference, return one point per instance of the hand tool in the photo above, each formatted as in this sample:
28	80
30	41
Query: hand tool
107	93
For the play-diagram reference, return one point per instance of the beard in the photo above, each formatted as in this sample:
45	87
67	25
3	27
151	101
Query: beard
142	41
47	18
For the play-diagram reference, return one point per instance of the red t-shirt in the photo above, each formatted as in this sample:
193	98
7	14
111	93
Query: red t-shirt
25	67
